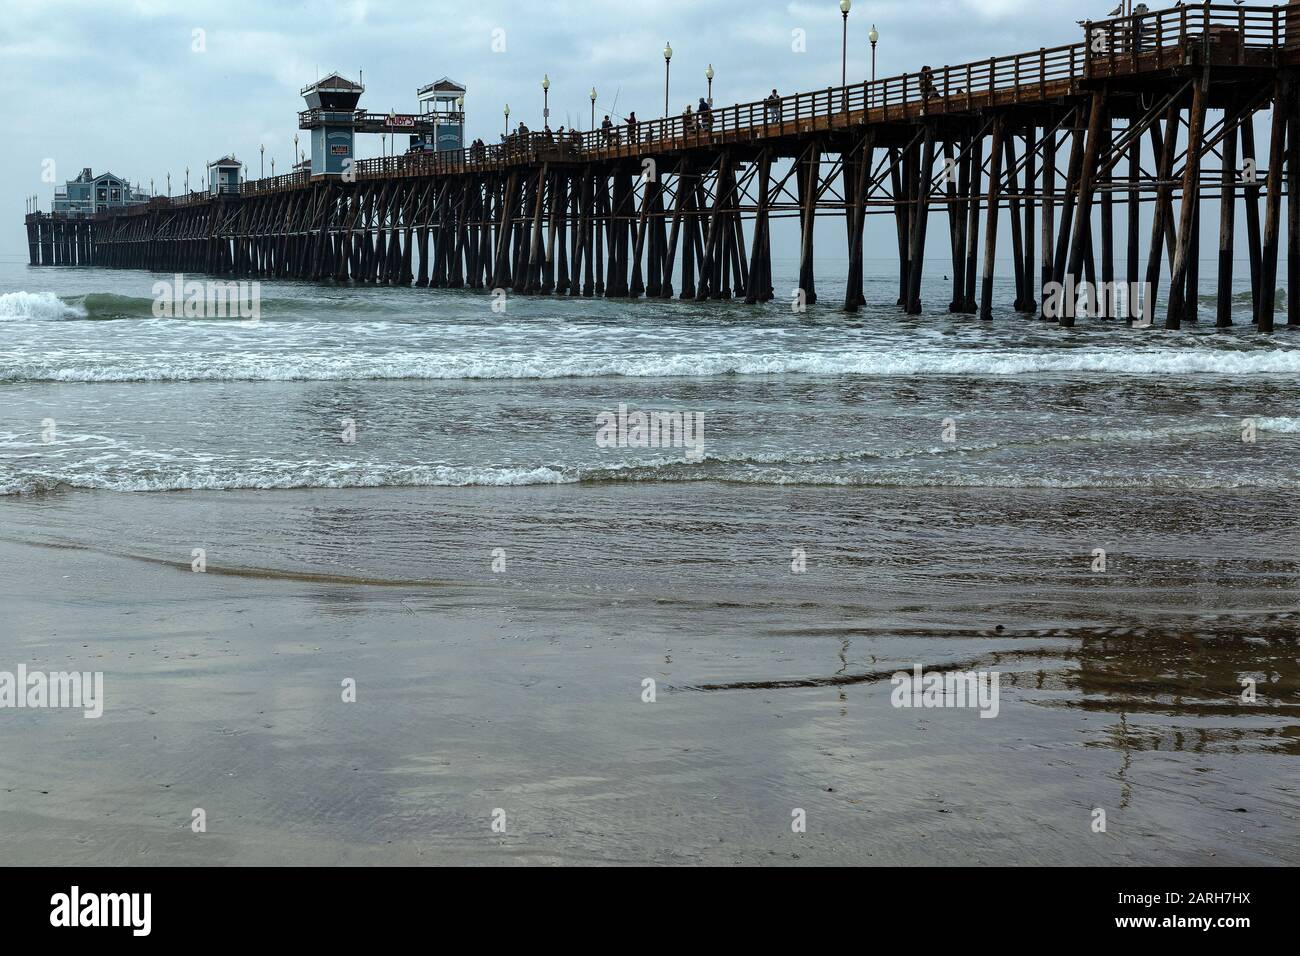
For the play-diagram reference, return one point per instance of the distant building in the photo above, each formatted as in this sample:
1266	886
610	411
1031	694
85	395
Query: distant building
442	102
89	193
330	115
223	175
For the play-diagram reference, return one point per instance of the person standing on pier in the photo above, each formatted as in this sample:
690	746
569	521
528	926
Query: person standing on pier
927	84
773	103
705	113
1138	13
631	127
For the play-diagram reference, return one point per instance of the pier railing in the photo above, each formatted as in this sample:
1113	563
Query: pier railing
272	183
1223	34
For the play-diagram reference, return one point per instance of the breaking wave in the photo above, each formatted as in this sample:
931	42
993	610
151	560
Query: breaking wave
920	466
48	307
41	306
306	365
33	483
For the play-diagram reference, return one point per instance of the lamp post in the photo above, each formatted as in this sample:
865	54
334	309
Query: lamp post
668	59
187	180
546	101
262	169
592	94
295	151
169	185
845	5
873	36
708	75
507	111
272	167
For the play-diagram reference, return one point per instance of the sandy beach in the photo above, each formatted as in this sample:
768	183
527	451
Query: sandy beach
523	693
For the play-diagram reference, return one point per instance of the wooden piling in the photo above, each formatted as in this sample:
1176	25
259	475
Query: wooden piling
916	251
1176	302
991	220
1272	208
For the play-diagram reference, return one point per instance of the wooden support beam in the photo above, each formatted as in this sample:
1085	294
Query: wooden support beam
1250	197
757	279
1132	220
857	179
1070	198
1164	170
1081	237
1192	298
1013	211
1049	216
1272	207
601	228
1028	305
683	190
1293	217
957	182
811	182
973	221
638	287
691	223
1106	297
900	192
1227	213
1176	302
920	219
991	220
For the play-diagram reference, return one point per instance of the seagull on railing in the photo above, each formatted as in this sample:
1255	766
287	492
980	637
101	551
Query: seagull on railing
1117	11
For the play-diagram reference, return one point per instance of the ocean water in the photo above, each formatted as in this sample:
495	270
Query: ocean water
870	491
444	390
406	389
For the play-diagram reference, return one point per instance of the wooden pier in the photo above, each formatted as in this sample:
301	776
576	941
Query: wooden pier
680	206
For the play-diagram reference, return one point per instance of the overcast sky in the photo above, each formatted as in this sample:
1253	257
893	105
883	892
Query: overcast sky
117	84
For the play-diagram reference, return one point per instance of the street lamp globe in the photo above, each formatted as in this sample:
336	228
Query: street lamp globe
592	94
546	82
844	6
668	51
708	74
873	36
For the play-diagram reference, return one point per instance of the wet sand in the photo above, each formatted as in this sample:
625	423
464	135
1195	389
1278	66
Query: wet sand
523	691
